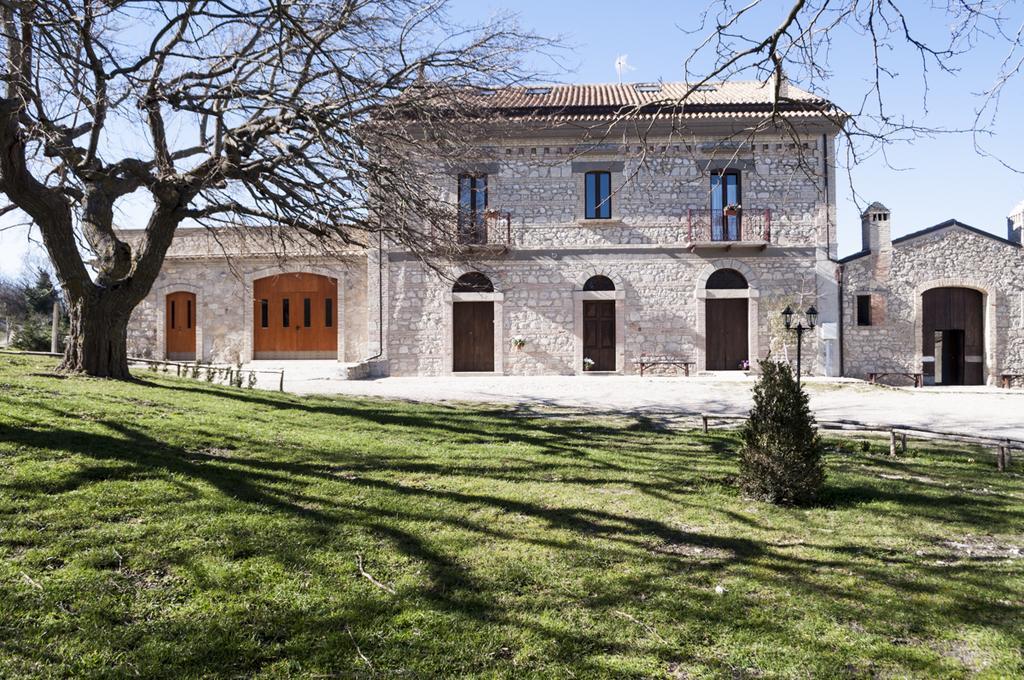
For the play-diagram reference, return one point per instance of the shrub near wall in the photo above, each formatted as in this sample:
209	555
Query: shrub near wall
781	455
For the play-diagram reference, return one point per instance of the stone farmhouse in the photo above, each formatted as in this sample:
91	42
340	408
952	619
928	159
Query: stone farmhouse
594	241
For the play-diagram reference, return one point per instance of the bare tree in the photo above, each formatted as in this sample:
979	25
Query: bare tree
300	118
780	41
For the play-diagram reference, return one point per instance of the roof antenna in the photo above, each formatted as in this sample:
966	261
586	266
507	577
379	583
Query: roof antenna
622	64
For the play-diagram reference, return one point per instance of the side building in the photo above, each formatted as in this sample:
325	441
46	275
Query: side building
940	306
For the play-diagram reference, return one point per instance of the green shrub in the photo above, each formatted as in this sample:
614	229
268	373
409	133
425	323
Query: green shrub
34	334
780	459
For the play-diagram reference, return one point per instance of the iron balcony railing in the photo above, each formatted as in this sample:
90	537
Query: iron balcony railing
739	226
491	228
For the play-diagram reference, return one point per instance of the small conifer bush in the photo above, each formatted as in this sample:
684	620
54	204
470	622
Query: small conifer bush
780	459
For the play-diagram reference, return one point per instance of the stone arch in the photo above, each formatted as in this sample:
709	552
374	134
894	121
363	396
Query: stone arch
461	270
714	265
340	275
989	301
594	271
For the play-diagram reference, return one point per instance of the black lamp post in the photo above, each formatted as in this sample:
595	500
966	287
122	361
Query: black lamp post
811	314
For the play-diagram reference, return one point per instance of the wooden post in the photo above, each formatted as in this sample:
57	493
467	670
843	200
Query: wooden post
55	328
1001	459
704	418
280	384
892	442
903	443
1007	456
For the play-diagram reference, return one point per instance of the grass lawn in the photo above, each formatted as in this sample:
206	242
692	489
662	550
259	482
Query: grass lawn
171	528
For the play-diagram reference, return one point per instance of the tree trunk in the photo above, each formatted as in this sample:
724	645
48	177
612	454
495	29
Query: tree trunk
98	343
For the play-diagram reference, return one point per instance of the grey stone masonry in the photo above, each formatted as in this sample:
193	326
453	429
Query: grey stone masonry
220	272
656	248
897	273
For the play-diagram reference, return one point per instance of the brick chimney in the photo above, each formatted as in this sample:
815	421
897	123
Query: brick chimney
876	229
1015	224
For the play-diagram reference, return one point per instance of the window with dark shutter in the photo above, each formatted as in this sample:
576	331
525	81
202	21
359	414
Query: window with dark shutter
863	310
598	195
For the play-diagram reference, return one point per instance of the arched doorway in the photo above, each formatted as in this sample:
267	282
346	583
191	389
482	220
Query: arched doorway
472	325
953	340
599	327
726	334
180	326
295	317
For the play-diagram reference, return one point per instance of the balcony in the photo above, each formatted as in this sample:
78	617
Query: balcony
707	229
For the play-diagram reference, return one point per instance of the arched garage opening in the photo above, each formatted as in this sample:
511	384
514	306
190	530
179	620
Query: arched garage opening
953	336
295	317
726	323
473	324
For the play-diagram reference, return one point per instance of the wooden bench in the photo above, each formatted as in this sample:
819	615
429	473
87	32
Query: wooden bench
918	378
646	362
1006	379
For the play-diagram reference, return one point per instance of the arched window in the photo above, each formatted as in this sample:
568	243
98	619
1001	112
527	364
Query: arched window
728	279
599	283
473	282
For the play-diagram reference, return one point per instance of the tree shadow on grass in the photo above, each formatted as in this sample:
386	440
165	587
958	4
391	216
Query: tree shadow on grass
322	495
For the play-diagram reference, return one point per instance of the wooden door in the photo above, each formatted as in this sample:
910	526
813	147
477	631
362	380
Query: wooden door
726	339
295	316
180	326
472	336
956	317
599	334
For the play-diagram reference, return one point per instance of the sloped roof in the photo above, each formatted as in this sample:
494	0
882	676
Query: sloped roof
938	227
596	101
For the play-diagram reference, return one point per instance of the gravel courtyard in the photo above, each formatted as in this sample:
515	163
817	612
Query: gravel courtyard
986	411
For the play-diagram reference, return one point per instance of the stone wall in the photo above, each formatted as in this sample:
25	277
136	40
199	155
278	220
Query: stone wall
951	256
224	303
660	303
658	192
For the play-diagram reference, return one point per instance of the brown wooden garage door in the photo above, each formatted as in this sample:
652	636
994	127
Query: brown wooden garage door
295	316
180	326
472	336
954	336
726	340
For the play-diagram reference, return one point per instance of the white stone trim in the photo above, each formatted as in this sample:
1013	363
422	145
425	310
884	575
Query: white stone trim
161	316
498	321
752	293
989	300
619	296
248	299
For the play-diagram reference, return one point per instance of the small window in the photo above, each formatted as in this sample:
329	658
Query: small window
307	312
726	279
328	312
173	310
264	313
473	282
863	310
188	314
599	282
598	187
285	313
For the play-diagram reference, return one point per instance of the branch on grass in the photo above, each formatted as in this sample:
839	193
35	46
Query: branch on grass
369	577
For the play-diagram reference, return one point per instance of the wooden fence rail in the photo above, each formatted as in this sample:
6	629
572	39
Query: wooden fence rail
898	435
182	368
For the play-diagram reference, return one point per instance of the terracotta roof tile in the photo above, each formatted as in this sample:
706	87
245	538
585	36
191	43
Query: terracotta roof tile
595	101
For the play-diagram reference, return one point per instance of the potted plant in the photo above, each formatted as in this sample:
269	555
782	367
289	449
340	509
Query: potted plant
588	364
518	342
732	209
